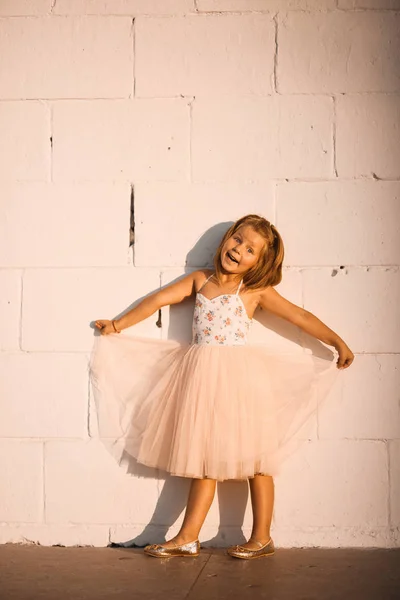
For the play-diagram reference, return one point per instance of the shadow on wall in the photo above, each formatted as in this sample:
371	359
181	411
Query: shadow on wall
232	495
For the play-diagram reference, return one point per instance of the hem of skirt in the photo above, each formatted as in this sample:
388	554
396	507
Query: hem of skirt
198	476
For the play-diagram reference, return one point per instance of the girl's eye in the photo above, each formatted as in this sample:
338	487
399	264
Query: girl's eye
250	250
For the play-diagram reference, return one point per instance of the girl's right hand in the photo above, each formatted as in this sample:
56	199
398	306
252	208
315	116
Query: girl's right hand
104	326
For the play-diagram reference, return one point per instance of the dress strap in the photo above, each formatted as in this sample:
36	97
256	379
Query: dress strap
240	285
208	279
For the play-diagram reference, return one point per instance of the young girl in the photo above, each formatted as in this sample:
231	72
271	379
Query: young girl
218	408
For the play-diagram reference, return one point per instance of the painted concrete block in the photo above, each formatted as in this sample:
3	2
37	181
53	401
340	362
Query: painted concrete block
256	139
204	55
361	305
343	483
43	395
16	8
372	4
78	474
263	5
182	224
67	301
21	476
338	52
90	57
341	222
25	140
10	308
367	133
153	140
368	406
123	7
364	536
49	225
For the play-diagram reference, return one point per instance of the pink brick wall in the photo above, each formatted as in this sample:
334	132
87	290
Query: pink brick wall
207	109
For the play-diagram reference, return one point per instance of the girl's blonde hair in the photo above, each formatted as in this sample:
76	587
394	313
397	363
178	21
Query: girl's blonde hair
268	269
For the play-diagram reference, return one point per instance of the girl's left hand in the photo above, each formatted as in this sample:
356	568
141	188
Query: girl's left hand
346	357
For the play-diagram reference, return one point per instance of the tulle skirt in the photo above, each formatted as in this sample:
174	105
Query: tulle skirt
222	412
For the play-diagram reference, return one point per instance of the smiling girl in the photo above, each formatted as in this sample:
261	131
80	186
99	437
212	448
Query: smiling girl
218	408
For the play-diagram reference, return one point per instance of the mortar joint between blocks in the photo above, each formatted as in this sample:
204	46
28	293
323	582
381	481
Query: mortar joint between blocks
89	433
21	310
44	482
275	71
389	500
133	93
190	104
334	148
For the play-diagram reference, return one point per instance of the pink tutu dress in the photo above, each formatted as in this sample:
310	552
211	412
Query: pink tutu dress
218	407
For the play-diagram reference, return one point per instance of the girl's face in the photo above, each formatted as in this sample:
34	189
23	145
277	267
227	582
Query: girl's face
242	250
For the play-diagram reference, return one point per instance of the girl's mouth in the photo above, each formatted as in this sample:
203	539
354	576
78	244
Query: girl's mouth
232	258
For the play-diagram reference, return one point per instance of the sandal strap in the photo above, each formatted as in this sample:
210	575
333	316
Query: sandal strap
259	543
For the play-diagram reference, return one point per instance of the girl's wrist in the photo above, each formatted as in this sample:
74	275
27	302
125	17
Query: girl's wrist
116	328
339	344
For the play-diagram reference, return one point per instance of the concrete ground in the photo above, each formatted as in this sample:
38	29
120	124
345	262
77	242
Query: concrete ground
29	572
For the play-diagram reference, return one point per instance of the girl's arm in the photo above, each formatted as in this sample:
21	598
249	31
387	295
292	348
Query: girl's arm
172	294
275	303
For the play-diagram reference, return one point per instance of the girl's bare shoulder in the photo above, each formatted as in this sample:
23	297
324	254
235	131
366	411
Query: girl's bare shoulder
200	276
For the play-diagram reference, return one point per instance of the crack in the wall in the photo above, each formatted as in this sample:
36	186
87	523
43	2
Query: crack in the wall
377	361
53	5
51	137
132	217
159	316
132	223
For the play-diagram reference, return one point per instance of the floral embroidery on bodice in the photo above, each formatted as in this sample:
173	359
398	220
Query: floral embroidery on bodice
220	321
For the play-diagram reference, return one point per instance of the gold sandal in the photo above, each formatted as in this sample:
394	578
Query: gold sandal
190	549
267	549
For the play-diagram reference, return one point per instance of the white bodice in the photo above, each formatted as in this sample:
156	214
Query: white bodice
220	321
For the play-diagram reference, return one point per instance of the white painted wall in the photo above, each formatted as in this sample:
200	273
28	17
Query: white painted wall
210	109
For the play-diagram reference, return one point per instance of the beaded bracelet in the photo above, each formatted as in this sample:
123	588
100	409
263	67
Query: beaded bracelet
115	329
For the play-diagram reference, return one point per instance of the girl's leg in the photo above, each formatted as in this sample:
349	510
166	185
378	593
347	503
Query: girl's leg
262	502
200	498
